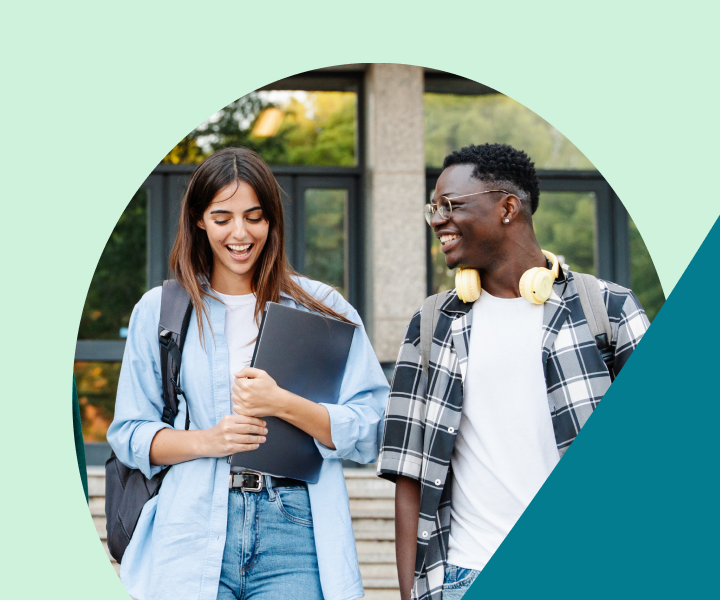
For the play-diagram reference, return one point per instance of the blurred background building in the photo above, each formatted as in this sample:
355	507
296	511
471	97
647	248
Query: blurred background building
357	150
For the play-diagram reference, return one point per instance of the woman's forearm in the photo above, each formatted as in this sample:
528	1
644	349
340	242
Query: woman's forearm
173	446
234	433
312	418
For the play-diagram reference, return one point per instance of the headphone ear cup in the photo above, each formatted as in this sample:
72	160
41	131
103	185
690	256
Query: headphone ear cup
467	284
526	284
536	285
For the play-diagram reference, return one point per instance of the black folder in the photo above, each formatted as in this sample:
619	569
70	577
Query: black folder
305	353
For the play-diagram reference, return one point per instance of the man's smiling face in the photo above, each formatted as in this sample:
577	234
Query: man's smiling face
472	236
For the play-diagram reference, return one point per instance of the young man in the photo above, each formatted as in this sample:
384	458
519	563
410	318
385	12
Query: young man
509	383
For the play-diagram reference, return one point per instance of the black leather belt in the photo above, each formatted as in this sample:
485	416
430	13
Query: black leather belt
252	481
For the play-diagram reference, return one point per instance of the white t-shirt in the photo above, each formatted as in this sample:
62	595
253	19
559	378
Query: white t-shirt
505	447
240	330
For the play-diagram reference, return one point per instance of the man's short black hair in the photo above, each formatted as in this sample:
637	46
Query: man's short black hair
500	163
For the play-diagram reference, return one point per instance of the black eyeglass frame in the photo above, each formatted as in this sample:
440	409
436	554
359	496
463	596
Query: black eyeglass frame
430	208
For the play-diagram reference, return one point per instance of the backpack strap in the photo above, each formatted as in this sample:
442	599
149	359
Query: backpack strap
594	308
596	314
175	311
429	316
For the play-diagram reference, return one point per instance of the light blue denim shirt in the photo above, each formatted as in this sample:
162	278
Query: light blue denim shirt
177	548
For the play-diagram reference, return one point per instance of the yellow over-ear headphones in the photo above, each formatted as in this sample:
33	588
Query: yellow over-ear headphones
535	284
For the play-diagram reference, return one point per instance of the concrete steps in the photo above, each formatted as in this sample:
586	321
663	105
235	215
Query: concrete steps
372	511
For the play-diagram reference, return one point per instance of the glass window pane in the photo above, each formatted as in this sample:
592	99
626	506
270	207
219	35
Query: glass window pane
452	122
442	277
120	278
326	237
97	387
286	127
643	276
565	225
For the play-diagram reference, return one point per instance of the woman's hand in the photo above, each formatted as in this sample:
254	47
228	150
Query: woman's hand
255	394
234	433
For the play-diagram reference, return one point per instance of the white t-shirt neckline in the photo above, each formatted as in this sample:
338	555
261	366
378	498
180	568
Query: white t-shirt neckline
235	300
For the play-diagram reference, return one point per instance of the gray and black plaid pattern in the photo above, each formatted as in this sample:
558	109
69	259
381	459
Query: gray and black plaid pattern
423	414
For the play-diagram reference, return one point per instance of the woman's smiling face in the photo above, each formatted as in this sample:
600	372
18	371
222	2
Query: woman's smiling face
237	231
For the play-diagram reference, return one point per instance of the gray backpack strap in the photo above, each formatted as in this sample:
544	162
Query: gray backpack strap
594	308
175	311
429	316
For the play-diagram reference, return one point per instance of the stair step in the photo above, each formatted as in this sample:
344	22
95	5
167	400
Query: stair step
378	508
97	506
372	551
380	594
362	473
101	527
369	488
96	487
107	551
379	571
382	583
374	529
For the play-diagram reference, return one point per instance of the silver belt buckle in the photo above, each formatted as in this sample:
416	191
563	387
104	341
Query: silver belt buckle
258	487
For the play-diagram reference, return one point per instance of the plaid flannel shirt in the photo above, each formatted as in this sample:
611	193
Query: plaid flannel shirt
422	421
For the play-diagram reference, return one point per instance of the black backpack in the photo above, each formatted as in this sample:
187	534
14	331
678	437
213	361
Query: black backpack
127	490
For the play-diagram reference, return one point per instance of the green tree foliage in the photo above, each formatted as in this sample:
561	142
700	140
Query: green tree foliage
644	277
325	212
320	130
96	386
120	275
565	225
452	122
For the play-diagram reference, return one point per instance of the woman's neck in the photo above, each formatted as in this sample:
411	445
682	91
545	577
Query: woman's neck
231	284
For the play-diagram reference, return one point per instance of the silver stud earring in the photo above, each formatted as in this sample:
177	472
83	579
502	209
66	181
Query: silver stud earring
506	220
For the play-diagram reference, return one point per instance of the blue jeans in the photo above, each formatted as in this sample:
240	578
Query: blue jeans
269	548
457	581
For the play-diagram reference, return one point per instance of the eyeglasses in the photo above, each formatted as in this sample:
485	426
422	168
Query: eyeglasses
444	207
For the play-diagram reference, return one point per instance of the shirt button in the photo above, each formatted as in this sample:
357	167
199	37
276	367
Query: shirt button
451	430
437	482
424	534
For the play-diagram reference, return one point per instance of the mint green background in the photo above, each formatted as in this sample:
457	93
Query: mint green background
95	96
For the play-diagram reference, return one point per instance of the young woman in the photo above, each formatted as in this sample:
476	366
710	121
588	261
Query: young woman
198	539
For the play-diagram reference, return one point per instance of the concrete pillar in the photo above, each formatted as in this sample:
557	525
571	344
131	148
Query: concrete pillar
395	194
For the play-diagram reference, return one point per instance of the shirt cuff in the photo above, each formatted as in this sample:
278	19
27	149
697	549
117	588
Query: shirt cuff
391	464
141	440
344	431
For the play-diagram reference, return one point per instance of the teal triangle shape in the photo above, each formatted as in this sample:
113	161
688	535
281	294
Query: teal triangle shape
631	511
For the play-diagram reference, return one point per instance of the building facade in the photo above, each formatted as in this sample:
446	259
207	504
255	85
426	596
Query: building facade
364	213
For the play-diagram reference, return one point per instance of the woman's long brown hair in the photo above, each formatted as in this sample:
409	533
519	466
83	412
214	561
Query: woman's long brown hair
191	259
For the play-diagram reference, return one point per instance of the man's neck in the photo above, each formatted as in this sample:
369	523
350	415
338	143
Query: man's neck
503	279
